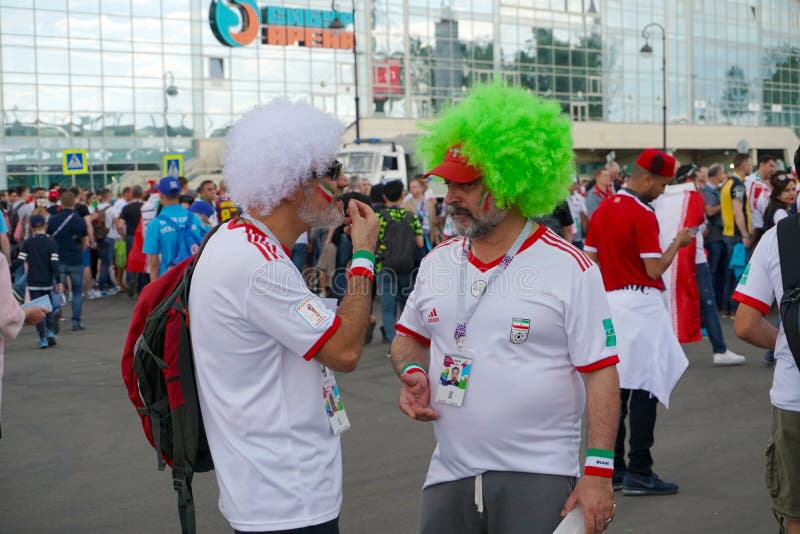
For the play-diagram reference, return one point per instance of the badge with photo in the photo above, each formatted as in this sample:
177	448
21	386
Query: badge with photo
454	379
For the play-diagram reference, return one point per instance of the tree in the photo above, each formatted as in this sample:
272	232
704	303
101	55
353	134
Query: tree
734	93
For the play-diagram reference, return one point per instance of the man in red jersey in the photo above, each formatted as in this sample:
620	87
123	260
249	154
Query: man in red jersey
623	239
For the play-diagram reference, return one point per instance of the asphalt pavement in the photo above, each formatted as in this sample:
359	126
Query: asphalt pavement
73	458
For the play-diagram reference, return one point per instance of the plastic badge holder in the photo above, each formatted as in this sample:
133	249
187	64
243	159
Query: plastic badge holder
572	523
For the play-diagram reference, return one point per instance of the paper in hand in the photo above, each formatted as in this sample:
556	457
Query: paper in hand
42	302
572	523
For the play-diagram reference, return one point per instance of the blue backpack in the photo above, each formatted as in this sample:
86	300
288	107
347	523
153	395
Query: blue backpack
185	242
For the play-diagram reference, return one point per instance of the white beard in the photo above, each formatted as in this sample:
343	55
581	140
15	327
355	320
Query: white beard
316	218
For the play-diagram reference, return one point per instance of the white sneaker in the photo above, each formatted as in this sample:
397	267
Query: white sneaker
729	358
93	294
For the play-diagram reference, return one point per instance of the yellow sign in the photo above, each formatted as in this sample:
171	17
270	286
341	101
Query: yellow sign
173	165
74	162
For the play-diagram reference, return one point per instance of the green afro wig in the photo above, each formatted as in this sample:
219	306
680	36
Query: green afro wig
521	143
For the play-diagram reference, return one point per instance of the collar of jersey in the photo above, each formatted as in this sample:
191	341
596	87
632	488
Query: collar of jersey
483	267
628	193
259	228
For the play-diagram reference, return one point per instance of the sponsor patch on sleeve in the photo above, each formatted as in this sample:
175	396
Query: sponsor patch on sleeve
611	336
743	279
312	312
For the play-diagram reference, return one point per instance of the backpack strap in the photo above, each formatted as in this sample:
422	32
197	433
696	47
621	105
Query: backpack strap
63	224
173	224
789	254
182	471
182	482
789	251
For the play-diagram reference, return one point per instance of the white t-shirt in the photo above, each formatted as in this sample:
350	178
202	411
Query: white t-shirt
758	197
523	406
780	214
149	211
255	330
761	285
577	206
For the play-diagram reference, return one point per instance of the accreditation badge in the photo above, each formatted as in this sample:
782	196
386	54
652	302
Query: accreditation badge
454	379
334	407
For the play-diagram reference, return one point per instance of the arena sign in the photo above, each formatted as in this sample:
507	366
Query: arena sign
240	22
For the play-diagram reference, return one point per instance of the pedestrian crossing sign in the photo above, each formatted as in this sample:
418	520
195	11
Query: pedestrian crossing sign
173	165
74	162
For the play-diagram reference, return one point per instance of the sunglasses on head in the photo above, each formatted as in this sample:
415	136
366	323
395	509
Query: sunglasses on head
332	171
782	177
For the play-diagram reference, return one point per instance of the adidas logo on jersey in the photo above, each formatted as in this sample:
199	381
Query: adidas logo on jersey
433	317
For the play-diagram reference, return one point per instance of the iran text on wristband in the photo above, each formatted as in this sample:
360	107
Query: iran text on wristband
599	463
363	264
411	368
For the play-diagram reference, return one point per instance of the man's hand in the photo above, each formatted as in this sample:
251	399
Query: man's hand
684	237
363	226
596	497
746	242
59	287
415	397
34	314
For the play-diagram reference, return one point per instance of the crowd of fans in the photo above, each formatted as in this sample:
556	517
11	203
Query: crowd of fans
74	244
101	245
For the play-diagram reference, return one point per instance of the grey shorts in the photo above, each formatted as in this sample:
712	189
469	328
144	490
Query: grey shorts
783	463
513	503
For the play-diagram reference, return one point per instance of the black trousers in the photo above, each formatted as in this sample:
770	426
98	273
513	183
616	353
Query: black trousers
641	406
331	527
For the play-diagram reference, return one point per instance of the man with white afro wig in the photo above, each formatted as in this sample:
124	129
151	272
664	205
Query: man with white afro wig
265	347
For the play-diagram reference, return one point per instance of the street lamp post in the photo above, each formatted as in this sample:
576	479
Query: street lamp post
336	24
648	50
169	90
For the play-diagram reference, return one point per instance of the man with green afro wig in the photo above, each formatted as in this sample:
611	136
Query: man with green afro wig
521	144
520	314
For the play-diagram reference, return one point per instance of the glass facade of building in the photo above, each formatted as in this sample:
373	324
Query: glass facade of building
132	80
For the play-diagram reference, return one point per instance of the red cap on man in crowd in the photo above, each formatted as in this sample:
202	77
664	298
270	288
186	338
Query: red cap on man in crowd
455	168
53	195
657	162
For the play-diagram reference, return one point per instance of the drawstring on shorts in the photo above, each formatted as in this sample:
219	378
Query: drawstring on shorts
479	493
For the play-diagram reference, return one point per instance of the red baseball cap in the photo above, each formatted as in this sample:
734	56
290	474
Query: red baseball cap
53	195
657	162
455	168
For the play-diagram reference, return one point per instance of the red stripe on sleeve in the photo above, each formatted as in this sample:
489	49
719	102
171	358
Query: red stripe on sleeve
599	364
323	339
402	330
752	302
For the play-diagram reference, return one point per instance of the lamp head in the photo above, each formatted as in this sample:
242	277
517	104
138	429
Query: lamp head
647	49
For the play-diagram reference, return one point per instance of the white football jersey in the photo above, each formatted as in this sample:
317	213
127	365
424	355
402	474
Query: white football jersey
255	329
537	327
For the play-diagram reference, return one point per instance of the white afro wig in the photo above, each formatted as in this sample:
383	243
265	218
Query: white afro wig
273	149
